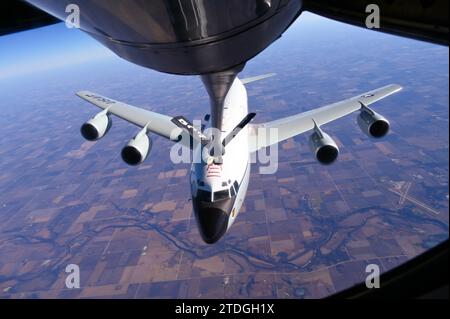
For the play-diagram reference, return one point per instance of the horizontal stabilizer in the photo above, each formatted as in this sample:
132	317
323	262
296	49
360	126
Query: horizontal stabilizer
257	78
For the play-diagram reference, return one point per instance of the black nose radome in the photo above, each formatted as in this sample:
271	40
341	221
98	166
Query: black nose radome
212	223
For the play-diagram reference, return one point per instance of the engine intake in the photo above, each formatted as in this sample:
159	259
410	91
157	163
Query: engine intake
96	127
372	123
323	146
137	150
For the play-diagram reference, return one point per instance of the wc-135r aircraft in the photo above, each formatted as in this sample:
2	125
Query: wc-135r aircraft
219	181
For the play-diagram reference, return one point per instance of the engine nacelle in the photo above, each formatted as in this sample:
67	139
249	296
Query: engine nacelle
96	127
323	146
137	150
372	123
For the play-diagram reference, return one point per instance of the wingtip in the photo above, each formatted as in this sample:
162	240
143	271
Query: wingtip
83	93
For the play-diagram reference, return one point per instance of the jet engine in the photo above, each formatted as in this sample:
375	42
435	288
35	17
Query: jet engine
96	127
323	146
372	123
137	150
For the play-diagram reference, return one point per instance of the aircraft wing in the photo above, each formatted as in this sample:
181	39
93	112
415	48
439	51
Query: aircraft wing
287	127
422	20
160	124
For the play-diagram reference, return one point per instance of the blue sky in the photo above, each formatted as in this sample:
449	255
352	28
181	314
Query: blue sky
46	48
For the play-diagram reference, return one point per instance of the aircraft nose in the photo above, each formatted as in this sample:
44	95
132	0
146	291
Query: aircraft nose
212	222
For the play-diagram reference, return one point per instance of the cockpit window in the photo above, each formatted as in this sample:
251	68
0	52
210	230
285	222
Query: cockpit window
236	186
223	194
206	196
232	191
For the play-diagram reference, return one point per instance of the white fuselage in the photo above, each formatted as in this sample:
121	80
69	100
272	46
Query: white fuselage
222	187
